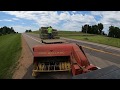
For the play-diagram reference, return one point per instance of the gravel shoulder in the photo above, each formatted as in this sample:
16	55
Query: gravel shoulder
24	61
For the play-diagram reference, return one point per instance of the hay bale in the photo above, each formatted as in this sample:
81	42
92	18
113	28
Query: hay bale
44	27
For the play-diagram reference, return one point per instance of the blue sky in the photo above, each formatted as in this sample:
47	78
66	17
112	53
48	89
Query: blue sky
61	20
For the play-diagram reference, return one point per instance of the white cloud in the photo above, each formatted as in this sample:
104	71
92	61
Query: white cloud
108	16
65	20
96	12
72	26
74	11
83	18
15	19
22	29
64	16
46	18
8	20
111	17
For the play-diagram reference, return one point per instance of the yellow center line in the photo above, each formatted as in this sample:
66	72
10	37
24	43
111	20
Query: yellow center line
101	51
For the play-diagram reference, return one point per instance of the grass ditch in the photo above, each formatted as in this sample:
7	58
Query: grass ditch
10	51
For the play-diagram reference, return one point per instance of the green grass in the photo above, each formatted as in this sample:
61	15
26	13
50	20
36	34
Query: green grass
73	33
36	32
89	37
95	38
10	50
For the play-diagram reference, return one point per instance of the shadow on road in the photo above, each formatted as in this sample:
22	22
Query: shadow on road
48	75
28	75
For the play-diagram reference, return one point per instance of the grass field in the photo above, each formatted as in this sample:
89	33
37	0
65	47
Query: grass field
98	39
36	32
89	37
10	50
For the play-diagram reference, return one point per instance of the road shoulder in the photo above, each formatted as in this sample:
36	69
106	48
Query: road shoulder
24	61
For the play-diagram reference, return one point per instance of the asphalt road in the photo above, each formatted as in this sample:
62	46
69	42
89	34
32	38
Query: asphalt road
97	54
33	40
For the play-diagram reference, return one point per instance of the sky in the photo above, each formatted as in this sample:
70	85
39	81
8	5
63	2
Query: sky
60	20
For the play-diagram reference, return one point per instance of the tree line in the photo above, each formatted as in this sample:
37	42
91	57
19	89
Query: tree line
114	32
6	30
97	29
94	29
28	30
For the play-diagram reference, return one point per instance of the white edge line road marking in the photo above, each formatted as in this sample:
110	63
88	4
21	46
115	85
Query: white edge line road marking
85	47
33	38
96	66
40	42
